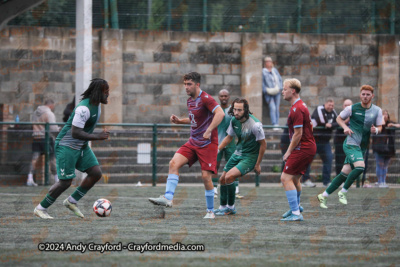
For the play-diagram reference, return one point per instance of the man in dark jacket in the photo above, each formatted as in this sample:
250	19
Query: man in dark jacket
323	116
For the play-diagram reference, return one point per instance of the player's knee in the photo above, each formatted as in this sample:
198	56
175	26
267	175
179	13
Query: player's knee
229	178
284	179
64	184
173	165
97	175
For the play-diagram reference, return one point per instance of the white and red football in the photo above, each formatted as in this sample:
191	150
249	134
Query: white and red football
102	207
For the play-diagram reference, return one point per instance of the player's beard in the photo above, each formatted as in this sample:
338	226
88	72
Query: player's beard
239	118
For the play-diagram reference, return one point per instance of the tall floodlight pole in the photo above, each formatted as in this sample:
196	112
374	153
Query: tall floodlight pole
83	56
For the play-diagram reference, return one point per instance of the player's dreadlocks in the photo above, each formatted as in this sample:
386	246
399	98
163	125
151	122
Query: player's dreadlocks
245	106
95	91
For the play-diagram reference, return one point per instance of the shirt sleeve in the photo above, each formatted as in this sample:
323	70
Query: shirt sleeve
230	130
379	118
298	119
210	103
345	113
258	131
82	115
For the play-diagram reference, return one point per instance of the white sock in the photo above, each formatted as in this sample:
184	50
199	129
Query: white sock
297	212
325	194
222	207
237	190
343	190
231	207
39	207
72	200
30	177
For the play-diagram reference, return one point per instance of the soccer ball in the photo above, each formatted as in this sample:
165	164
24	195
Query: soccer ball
102	207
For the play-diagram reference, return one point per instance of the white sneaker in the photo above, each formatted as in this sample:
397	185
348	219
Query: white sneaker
161	201
276	129
31	183
42	214
308	183
383	185
209	215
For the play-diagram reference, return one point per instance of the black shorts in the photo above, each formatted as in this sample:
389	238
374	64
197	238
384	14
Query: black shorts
38	145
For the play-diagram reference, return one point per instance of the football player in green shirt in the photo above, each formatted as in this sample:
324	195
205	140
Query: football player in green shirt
248	155
73	152
365	118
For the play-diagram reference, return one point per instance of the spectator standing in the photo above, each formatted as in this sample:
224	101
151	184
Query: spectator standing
272	89
43	114
383	146
323	116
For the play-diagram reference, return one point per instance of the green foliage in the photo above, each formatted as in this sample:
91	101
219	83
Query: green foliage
216	17
157	17
50	13
276	168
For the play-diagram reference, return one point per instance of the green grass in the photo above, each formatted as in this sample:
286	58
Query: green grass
364	233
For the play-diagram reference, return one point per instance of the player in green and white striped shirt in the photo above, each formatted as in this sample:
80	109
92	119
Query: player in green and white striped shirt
73	152
365	118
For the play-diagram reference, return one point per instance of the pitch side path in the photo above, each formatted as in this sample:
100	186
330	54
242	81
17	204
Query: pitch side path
366	232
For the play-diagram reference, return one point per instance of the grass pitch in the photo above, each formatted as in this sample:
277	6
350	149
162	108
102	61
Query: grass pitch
363	233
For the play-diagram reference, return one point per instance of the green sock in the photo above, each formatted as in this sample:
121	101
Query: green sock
352	177
231	194
79	193
337	181
215	182
47	201
223	199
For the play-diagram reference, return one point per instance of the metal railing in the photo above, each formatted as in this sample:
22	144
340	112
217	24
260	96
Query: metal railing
164	139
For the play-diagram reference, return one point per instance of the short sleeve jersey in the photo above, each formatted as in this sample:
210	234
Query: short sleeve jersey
299	116
248	134
201	115
84	116
361	120
223	126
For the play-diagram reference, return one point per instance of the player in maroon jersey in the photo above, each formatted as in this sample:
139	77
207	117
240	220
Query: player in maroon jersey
301	150
205	114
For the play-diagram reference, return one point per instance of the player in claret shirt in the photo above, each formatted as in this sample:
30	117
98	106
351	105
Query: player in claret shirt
301	150
204	117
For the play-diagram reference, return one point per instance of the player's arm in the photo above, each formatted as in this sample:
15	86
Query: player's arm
263	147
379	121
176	120
342	120
258	132
218	116
82	115
79	133
227	140
298	132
